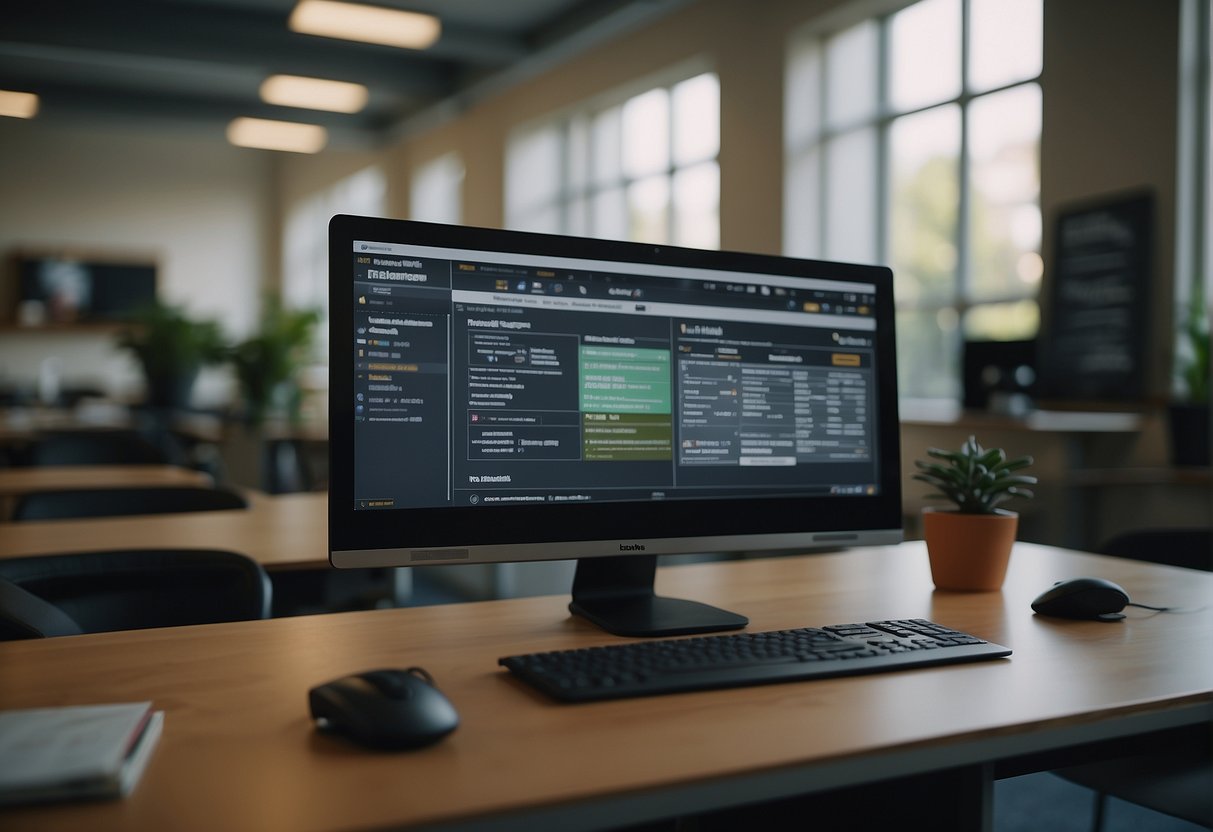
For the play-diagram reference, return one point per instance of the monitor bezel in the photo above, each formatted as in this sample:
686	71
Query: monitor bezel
485	534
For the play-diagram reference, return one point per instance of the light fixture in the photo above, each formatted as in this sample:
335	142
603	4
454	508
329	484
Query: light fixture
18	104
266	134
369	24
313	93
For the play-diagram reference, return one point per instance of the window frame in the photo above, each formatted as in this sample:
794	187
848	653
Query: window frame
319	207
816	36
446	172
584	187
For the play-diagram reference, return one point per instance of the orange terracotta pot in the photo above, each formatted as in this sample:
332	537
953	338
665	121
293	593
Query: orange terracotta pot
969	552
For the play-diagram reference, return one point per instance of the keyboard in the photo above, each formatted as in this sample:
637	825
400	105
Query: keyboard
645	668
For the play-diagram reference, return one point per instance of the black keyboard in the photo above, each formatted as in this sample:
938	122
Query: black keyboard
643	668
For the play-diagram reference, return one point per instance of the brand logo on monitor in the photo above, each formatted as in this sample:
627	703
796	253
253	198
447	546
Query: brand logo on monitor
631	547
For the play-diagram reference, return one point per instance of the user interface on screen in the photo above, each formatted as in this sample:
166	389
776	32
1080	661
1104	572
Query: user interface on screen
485	378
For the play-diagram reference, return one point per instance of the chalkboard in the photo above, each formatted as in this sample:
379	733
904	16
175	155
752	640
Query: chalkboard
1095	340
65	287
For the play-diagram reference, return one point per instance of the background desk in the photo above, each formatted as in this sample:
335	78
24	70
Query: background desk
238	750
289	531
15	481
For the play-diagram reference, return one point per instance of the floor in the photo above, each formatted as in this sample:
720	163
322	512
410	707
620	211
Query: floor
1044	803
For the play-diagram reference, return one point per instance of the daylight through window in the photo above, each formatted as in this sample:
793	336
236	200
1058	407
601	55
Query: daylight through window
642	168
913	139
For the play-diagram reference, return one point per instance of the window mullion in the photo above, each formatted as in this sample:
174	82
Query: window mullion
823	182
564	194
587	180
671	168
963	231
883	207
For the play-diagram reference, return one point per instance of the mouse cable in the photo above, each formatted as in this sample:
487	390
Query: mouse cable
1164	609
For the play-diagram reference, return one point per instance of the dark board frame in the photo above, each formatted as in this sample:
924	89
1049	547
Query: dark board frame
1095	344
98	286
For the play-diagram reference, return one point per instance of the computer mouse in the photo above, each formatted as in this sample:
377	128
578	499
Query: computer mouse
1092	598
390	709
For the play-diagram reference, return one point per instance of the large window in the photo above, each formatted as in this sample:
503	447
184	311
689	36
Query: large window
913	139
637	167
436	190
305	263
1193	308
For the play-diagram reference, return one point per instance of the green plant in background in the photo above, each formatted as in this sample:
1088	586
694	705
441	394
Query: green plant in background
977	480
1193	354
268	363
172	347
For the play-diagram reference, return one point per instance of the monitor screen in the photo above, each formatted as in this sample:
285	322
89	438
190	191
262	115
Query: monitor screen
507	396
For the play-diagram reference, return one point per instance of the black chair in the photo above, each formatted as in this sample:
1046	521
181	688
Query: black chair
1176	780
96	447
97	592
1191	548
121	502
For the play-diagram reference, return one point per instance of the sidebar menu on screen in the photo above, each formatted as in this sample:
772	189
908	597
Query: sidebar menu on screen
401	380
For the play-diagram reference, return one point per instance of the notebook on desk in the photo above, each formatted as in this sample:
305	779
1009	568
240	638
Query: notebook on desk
75	752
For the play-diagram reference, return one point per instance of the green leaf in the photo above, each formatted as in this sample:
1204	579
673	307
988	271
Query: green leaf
974	478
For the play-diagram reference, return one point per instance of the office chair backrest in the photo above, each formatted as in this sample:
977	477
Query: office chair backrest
96	592
1191	547
121	502
25	615
96	447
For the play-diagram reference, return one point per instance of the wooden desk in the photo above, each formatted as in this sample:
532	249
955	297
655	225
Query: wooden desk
288	531
15	481
239	752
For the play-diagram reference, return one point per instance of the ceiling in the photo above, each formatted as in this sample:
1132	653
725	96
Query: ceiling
201	62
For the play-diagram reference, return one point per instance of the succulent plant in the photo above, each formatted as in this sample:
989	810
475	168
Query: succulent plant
976	479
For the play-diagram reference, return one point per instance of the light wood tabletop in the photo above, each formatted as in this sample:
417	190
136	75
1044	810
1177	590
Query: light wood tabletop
15	481
288	531
239	751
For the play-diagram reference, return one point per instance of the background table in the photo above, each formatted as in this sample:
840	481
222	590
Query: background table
239	751
15	481
287	531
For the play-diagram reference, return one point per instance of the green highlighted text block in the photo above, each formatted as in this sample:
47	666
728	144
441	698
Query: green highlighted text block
624	380
631	437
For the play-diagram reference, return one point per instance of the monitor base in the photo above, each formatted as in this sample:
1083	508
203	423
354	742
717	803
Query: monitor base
616	593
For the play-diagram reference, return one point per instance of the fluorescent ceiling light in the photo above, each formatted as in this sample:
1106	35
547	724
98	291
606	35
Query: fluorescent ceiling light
18	104
277	135
369	24
313	93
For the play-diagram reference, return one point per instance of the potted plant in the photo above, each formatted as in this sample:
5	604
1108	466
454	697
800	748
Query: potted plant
1189	413
172	347
969	546
268	363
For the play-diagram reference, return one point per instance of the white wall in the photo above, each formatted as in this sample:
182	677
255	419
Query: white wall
203	207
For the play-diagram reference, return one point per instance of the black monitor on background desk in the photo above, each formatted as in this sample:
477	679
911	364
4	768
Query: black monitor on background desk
503	396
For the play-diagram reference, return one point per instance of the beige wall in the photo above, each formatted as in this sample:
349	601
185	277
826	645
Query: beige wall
202	207
1109	124
1110	116
1109	120
743	42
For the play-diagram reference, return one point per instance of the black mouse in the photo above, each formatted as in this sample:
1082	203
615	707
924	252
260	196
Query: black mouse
384	708
1092	598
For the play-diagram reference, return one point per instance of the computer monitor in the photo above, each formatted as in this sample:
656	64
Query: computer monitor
506	396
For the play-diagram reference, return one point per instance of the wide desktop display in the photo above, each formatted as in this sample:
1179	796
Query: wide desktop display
505	396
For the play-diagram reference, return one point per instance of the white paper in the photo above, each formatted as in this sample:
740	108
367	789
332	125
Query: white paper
75	750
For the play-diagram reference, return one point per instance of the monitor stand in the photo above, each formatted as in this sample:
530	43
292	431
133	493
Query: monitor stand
616	593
